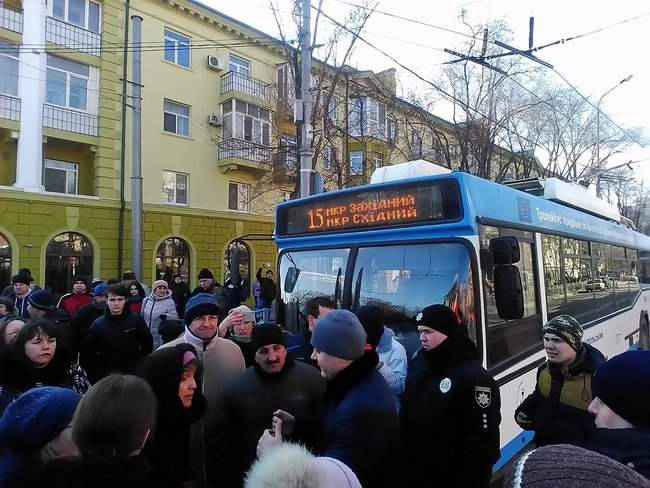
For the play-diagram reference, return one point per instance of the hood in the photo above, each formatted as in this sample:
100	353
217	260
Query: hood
386	341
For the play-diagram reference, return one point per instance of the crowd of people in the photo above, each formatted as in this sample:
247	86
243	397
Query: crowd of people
119	384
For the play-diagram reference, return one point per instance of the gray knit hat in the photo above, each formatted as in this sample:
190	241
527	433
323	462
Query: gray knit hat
567	328
563	465
340	334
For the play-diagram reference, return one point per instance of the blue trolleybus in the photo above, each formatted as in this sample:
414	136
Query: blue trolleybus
504	260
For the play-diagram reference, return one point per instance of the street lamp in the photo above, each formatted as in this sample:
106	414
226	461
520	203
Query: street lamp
627	78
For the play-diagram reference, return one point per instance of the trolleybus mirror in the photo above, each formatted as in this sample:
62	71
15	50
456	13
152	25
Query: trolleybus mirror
504	250
508	292
290	279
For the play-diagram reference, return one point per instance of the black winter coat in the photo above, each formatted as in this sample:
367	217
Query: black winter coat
249	402
361	426
82	320
627	446
558	406
450	418
115	343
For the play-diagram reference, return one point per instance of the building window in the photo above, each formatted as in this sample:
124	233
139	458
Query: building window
391	130
174	188
5	262
177	48
330	113
355	121
68	256
377	160
9	68
287	154
239	65
240	251
60	176
239	196
285	84
367	117
329	157
247	122
172	258
177	118
416	143
83	13
356	163
67	83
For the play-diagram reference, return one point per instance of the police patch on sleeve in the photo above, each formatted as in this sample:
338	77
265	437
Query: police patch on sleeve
445	385
483	396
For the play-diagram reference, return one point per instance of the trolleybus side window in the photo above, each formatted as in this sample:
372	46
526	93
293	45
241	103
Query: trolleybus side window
509	339
404	279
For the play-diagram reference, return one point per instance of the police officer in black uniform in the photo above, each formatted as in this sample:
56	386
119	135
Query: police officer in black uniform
450	409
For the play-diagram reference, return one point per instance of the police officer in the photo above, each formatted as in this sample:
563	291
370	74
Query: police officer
450	408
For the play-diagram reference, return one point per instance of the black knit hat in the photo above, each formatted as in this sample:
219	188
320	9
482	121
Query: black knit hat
266	334
440	318
20	278
205	273
41	299
562	465
566	327
623	384
372	319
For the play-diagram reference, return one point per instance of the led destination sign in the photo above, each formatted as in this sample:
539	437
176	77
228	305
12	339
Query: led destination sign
419	203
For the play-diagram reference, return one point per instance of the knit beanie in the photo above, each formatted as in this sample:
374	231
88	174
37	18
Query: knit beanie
100	289
158	283
40	299
20	278
249	315
340	334
563	465
372	320
266	334
623	384
200	304
439	317
566	327
205	273
37	417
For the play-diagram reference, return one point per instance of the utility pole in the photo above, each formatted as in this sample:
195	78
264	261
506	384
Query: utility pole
136	151
306	152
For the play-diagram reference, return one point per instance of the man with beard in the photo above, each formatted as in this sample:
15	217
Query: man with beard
274	382
450	408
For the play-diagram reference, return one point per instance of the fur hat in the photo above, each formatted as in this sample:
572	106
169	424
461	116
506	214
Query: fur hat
440	318
340	334
200	304
566	327
205	273
41	299
293	466
563	465
623	384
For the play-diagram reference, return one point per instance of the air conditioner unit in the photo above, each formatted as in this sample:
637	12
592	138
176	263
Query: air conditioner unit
216	120
213	63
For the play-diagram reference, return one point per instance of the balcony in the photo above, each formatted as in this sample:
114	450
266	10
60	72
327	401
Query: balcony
70	120
237	83
72	36
11	18
9	107
236	154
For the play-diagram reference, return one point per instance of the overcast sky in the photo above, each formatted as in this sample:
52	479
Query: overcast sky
594	64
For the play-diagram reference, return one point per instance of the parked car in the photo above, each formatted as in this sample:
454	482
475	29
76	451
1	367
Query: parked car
595	285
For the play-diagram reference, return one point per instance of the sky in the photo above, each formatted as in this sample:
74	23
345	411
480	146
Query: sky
593	63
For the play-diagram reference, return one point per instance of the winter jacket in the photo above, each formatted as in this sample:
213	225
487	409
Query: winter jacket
628	446
115	343
180	293
249	402
360	424
20	305
300	348
394	367
168	448
234	295
216	290
71	302
267	287
557	409
152	308
221	360
450	417
247	349
83	319
17	376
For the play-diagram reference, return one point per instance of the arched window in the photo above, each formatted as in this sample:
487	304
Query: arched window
244	261
173	257
68	256
5	262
